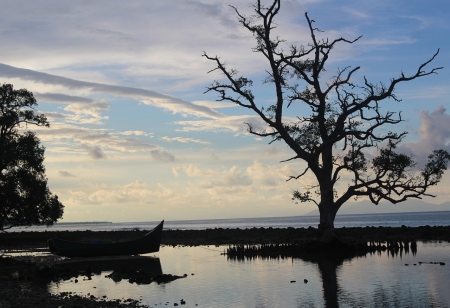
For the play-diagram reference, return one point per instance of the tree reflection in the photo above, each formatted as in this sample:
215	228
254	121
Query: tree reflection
328	264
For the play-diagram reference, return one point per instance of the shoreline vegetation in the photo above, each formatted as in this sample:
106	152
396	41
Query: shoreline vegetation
24	280
227	236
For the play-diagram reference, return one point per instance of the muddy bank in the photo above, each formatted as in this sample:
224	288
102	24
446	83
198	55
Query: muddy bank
24	279
24	284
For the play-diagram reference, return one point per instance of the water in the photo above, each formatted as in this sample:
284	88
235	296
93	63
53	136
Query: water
375	280
358	220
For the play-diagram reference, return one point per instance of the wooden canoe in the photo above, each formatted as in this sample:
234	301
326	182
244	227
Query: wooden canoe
147	244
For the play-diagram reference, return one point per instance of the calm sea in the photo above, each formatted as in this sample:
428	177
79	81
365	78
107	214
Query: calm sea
213	280
415	219
401	279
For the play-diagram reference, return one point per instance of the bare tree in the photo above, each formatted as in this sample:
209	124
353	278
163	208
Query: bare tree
344	123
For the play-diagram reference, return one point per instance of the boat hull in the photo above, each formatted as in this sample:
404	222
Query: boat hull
147	244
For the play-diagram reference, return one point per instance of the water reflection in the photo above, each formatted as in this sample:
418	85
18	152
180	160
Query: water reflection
99	264
139	269
298	250
330	265
374	279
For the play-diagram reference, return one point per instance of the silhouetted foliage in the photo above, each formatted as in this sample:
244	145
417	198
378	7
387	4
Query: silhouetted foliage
345	120
24	196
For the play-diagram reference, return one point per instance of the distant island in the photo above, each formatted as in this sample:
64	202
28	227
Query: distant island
83	222
367	207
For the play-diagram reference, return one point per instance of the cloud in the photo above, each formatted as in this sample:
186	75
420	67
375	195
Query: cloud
270	175
259	182
61	98
162	156
135	133
184	140
435	127
356	13
87	113
211	178
263	175
215	105
434	134
52	116
136	191
196	187
82	110
66	174
229	178
423	22
100	42
388	41
193	171
95	152
95	141
234	124
149	97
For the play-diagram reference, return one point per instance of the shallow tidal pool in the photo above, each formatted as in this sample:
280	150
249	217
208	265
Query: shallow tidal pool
213	280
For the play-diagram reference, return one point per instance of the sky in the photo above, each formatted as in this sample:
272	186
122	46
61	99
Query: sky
133	136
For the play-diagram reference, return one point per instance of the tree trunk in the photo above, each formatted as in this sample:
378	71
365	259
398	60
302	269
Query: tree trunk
329	239
327	233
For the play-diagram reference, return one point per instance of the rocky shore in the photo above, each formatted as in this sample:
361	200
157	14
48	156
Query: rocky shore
23	282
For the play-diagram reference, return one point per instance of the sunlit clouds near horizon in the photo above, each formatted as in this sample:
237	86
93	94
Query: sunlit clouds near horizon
133	137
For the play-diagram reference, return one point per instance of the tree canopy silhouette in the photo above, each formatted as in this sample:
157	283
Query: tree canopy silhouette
25	198
345	121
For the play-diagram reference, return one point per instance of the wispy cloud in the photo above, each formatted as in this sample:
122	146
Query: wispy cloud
234	124
388	41
65	174
184	140
60	98
214	104
96	142
135	133
356	13
150	97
